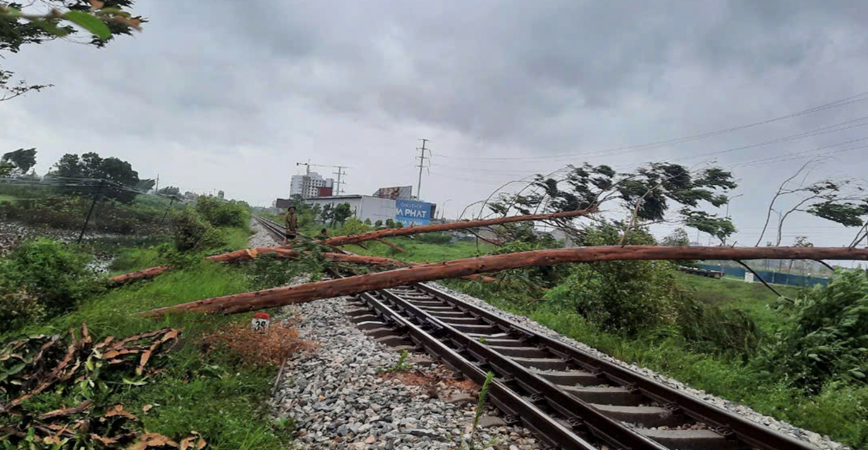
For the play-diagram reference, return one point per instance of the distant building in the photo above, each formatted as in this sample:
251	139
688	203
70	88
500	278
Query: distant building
220	195
376	208
395	193
308	186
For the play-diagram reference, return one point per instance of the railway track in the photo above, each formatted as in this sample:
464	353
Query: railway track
569	398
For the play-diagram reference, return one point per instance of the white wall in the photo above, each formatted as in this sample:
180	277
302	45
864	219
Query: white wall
364	207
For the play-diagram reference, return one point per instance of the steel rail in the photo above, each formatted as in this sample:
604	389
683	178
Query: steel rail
503	397
724	421
575	410
582	416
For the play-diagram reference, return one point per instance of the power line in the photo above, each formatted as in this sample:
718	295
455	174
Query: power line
835	104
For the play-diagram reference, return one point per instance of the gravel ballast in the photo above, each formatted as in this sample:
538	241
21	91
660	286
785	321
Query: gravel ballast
337	399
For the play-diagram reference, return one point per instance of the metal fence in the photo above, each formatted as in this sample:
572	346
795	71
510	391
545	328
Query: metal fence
771	277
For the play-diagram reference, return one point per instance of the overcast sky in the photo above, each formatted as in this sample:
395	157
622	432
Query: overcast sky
231	95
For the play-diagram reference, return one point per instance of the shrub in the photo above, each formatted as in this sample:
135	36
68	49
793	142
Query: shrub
193	232
827	336
56	275
622	296
717	330
223	214
18	309
378	223
354	226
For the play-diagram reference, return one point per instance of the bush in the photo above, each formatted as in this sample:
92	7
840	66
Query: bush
353	226
827	337
49	271
716	330
18	309
193	232
623	297
223	214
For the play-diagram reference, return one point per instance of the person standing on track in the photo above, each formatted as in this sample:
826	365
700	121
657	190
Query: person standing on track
291	221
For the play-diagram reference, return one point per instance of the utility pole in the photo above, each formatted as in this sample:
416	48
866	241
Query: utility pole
421	166
339	182
157	188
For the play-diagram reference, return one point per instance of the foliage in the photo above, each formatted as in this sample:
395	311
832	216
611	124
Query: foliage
117	178
340	213
145	185
390	223
716	329
646	193
21	160
207	391
193	232
55	274
268	271
104	19
142	216
620	296
827	335
378	223
170	191
401	366
720	228
18	309
354	226
678	238
223	214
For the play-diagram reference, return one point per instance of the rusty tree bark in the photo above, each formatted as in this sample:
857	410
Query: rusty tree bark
269	298
406	231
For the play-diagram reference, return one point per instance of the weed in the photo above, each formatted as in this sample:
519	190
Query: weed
401	366
482	340
480	409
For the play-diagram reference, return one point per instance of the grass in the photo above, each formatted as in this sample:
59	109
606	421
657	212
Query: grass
7	198
753	298
212	394
421	251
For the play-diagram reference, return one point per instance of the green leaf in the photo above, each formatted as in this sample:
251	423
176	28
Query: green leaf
857	374
89	23
141	382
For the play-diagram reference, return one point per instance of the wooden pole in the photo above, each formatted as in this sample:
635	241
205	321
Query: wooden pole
270	298
406	231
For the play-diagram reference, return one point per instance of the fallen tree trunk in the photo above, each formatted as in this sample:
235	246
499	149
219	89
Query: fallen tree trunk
145	274
389	244
251	253
270	298
406	231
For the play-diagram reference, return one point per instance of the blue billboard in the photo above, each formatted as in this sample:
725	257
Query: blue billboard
413	212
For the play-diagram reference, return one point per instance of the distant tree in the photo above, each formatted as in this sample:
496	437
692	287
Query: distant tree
170	191
390	223
378	223
118	177
145	185
678	238
839	201
327	213
103	19
21	160
341	213
368	222
399	225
